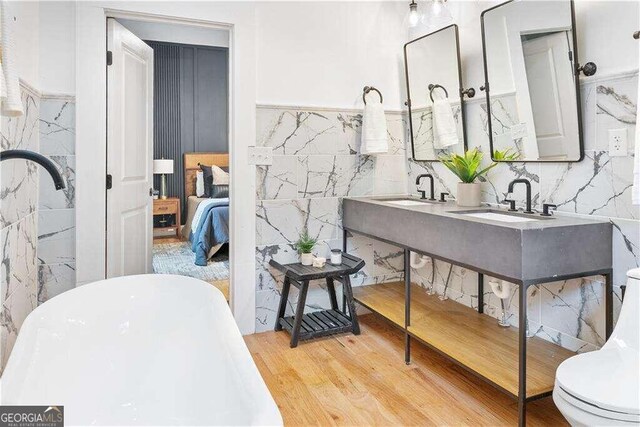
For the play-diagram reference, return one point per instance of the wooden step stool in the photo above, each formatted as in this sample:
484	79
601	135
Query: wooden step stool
320	323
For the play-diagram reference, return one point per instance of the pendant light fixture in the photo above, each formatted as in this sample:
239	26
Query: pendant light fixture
440	9
439	15
414	17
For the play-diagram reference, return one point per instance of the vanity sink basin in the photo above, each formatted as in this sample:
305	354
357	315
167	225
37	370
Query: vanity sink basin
405	202
496	215
513	245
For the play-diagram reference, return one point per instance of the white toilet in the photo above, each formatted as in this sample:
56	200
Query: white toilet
602	388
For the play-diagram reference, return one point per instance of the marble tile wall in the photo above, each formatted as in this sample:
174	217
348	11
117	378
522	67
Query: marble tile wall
569	312
56	230
18	223
315	164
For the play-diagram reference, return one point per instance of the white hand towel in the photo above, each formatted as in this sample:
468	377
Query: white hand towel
635	191
374	129
445	131
11	102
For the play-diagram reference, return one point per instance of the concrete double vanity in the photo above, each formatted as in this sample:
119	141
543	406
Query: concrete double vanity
524	249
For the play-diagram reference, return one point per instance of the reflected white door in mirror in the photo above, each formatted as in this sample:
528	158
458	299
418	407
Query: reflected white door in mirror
531	80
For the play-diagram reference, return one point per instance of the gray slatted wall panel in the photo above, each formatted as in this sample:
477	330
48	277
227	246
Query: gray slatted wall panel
166	118
205	100
211	99
190	106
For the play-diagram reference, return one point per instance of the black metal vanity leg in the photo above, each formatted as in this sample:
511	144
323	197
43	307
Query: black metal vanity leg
608	280
284	296
332	293
407	305
480	293
407	348
407	288
522	357
297	321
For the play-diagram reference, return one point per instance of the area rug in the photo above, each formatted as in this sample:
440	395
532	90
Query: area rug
178	258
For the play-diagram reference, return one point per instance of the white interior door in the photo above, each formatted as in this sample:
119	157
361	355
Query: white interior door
129	152
552	91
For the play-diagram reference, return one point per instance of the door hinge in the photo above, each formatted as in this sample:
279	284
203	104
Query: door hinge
109	57
109	181
570	56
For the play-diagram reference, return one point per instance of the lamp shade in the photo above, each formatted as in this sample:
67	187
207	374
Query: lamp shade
163	166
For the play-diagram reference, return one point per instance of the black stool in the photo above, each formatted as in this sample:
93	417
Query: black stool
320	323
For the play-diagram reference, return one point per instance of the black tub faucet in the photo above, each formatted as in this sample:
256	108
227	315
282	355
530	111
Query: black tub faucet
431	187
37	158
528	185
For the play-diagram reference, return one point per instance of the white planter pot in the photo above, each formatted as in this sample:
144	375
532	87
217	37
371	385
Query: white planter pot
469	194
306	259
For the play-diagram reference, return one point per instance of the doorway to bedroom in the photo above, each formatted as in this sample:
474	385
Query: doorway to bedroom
185	145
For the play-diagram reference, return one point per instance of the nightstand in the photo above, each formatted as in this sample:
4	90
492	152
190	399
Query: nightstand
170	210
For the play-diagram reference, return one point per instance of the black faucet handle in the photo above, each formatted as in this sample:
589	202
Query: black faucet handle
443	196
512	205
423	194
546	209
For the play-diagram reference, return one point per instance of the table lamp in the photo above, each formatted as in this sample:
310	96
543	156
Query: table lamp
163	167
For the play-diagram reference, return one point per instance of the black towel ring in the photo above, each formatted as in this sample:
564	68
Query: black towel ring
432	87
368	89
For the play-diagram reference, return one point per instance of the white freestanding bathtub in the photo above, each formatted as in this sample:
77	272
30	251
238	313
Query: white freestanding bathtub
138	350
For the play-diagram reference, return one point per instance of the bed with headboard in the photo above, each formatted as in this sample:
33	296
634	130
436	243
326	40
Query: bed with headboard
192	162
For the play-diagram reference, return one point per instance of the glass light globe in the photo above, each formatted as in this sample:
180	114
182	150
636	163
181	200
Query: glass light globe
414	16
439	15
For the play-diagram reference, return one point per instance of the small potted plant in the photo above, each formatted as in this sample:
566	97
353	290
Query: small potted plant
305	245
467	168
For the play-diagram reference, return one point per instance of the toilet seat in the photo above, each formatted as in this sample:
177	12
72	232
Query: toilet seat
586	382
580	413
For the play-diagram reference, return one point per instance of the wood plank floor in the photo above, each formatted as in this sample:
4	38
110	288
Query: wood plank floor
223	285
362	380
167	239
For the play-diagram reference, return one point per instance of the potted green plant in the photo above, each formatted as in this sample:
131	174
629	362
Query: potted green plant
305	245
467	168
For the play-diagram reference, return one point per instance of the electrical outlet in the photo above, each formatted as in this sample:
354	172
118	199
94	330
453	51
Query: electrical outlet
262	156
618	144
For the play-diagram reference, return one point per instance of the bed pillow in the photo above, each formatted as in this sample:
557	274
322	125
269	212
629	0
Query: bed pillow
207	176
219	191
199	184
220	175
220	185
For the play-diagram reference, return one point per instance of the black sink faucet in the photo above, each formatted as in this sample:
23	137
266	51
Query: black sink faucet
528	185
431	187
37	158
